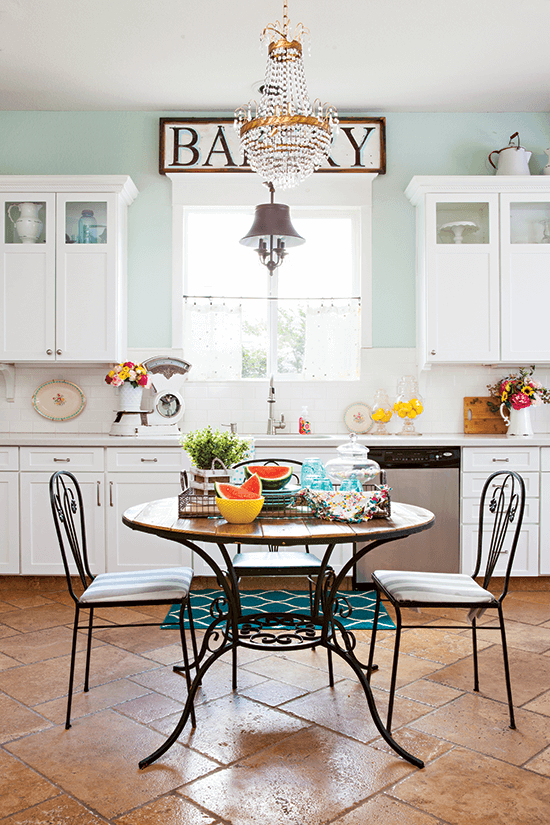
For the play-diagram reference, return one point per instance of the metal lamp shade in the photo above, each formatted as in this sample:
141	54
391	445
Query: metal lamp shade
272	220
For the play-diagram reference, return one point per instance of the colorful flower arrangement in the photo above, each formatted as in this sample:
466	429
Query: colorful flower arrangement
518	391
135	374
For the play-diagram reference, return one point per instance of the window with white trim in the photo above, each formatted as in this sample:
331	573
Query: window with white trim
301	323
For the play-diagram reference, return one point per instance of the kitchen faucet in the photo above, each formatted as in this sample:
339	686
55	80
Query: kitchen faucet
272	425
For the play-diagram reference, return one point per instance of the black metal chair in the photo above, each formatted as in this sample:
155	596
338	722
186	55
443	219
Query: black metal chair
126	589
502	501
273	562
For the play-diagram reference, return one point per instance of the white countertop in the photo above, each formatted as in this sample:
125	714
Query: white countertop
279	440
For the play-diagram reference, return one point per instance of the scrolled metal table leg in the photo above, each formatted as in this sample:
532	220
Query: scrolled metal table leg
186	713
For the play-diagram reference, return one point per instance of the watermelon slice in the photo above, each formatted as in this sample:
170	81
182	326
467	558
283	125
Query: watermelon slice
273	476
251	489
253	485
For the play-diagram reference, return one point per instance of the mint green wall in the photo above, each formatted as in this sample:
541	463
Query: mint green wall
127	143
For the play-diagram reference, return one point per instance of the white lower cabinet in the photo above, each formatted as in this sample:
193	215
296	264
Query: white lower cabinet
111	545
132	550
136	475
544	568
40	552
9	510
478	463
526	562
114	479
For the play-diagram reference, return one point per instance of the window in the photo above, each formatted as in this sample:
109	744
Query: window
302	322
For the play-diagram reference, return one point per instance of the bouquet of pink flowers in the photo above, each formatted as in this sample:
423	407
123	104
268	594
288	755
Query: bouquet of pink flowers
518	391
135	374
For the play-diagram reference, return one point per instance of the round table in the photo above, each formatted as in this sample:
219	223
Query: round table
321	627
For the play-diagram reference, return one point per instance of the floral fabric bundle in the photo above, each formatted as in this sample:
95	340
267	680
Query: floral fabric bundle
135	374
348	506
518	391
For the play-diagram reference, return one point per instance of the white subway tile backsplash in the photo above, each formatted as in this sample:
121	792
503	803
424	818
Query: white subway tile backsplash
443	389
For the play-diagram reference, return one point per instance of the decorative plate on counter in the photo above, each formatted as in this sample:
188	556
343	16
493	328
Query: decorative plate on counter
357	418
58	400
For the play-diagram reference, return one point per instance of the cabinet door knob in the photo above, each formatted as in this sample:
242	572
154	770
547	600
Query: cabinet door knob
111	504
149	459
432	352
63	460
99	493
49	352
59	352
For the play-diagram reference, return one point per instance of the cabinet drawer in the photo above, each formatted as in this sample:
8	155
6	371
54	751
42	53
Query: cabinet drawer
500	458
75	459
470	511
526	562
472	484
153	459
9	458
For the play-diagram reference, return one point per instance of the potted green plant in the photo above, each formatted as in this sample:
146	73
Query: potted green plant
212	453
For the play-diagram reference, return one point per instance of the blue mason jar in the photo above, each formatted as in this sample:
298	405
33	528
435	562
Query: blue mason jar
87	232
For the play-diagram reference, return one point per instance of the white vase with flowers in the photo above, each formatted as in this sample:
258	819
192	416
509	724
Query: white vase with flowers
514	396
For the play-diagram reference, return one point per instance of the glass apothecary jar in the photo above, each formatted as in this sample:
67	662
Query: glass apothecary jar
381	412
352	462
408	404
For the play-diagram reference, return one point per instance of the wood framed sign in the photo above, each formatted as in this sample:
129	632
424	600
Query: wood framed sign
205	144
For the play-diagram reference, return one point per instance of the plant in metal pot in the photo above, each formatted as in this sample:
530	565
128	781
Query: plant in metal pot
212	453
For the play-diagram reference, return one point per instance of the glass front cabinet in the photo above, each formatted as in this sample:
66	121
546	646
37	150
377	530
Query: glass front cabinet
63	267
483	268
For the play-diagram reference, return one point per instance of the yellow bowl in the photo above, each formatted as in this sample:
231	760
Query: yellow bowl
239	511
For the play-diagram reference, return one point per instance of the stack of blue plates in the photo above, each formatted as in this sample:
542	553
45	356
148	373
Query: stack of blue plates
279	499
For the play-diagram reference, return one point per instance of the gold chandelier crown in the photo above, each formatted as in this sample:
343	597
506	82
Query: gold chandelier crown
284	136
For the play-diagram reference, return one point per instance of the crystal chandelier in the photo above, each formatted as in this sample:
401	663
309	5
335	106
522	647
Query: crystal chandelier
285	137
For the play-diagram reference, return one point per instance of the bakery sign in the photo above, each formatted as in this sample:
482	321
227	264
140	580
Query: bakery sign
203	144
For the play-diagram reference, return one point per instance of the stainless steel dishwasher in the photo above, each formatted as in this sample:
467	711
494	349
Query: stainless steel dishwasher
428	477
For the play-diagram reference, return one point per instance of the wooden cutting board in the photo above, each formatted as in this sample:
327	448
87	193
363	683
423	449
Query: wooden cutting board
478	418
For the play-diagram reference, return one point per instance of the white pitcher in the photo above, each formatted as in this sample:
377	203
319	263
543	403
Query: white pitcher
28	225
512	160
518	421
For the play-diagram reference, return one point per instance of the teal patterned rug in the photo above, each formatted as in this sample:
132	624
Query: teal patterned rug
275	601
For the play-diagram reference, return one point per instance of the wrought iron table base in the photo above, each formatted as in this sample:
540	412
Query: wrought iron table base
230	629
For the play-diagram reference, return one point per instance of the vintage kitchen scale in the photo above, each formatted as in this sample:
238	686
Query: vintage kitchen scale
162	404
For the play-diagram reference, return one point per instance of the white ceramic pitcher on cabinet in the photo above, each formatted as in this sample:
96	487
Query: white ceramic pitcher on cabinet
512	160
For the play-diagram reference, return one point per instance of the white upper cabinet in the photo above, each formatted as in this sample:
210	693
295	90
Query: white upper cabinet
63	267
525	276
483	257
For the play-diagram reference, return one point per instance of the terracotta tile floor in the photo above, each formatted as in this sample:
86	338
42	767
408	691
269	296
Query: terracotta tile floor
285	749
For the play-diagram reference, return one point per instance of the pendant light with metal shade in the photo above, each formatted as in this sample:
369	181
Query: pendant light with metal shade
272	232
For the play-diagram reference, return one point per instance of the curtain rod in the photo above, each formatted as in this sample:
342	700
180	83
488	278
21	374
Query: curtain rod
264	298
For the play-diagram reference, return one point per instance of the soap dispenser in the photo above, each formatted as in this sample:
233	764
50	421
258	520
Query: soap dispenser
304	424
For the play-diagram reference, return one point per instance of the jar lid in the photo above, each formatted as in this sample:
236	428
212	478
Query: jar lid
353	449
87	213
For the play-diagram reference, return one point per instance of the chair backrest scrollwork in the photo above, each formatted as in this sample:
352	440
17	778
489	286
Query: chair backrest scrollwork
68	514
503	501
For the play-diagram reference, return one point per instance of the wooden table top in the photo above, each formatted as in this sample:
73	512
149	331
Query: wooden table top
161	518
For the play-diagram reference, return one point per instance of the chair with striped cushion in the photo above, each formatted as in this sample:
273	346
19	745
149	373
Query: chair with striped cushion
166	586
501	506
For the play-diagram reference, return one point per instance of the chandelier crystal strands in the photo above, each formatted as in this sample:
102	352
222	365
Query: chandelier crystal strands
285	137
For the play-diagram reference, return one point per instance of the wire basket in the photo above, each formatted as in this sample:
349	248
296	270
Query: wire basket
277	505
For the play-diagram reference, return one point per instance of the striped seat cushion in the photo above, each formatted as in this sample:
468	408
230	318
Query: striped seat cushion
450	588
168	584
